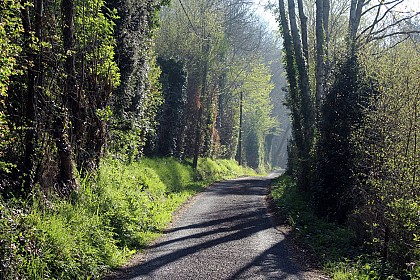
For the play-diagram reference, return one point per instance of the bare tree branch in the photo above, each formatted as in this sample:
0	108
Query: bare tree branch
380	4
396	33
376	20
372	34
394	24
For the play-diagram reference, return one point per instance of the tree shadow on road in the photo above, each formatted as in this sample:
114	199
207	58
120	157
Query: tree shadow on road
236	225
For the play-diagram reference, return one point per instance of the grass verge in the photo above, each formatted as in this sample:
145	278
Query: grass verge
337	248
117	211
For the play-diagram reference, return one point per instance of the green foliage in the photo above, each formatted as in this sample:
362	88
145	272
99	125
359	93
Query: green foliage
341	252
361	269
342	113
136	101
37	108
10	31
96	62
174	174
95	26
210	170
55	240
7	141
257	111
117	211
388	188
171	114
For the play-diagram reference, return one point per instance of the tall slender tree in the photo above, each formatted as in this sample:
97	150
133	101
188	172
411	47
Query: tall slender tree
70	97
301	100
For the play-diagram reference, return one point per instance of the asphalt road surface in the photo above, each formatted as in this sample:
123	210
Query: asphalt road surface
224	233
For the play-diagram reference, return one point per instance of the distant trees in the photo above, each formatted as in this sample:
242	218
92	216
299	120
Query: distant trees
257	116
220	45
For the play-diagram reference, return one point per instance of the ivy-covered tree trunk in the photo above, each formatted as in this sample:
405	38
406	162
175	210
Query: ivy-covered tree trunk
30	135
135	102
300	100
356	7
171	114
304	30
293	97
326	23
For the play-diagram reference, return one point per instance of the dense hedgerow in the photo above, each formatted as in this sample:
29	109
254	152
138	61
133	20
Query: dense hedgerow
116	212
341	252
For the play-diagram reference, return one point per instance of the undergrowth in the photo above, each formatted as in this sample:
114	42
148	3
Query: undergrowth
116	212
337	248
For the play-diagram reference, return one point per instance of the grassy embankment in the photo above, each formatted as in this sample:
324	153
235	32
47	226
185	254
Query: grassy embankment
116	212
337	248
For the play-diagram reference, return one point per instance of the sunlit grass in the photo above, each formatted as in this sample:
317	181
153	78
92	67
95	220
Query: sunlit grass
116	212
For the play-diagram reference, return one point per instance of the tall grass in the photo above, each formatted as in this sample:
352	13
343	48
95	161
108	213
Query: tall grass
116	212
210	170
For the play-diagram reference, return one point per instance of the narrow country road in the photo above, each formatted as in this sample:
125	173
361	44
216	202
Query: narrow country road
224	233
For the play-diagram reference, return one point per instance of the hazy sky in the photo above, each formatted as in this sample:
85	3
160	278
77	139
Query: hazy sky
413	5
268	16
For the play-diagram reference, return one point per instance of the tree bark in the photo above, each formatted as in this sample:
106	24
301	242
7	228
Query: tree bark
294	103
65	153
303	78
304	30
34	85
206	50
306	106
239	153
326	21
356	8
319	65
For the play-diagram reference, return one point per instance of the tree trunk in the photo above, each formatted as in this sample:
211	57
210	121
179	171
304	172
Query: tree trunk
239	153
294	103
319	66
326	20
304	88
34	85
306	107
67	181
356	7
65	153
304	28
